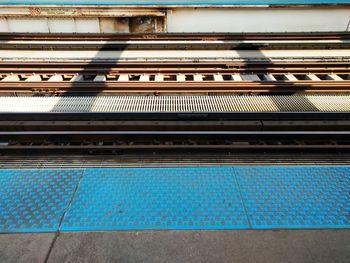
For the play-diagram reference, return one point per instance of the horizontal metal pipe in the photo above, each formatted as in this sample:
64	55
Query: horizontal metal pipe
176	36
142	133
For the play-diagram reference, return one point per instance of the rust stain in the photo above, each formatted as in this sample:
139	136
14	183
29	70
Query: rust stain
34	11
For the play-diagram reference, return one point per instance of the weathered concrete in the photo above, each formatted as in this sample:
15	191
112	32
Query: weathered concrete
24	247
181	246
204	246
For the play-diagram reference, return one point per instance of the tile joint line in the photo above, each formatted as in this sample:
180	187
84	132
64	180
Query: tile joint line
71	200
57	233
241	197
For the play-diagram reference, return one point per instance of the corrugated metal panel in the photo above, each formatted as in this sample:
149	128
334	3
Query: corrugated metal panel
310	103
165	160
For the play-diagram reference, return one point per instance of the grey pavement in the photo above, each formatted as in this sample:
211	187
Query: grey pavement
180	246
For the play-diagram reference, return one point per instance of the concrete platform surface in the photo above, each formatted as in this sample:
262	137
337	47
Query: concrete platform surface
25	247
179	246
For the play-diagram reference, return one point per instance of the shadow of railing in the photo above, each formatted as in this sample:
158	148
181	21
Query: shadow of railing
99	83
94	73
279	102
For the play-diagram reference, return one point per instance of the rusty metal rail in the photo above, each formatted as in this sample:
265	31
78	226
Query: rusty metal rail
170	41
156	124
175	77
117	124
173	87
56	161
175	141
175	67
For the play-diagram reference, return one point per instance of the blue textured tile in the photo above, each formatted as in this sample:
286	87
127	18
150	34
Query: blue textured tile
34	200
156	198
296	196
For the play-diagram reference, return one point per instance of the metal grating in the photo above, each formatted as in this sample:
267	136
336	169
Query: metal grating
188	104
165	160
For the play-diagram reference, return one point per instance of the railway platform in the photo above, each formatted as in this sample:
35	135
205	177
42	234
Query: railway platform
175	131
67	208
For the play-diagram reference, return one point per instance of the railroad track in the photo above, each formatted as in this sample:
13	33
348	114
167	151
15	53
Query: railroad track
175	123
114	142
192	122
172	77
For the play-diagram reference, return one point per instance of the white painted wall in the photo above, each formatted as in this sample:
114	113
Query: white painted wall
258	19
63	25
3	25
52	25
87	25
206	20
30	25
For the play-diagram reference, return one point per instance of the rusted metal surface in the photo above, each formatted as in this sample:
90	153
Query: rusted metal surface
157	131
168	141
143	37
40	11
283	128
180	125
173	87
175	77
143	25
61	20
175	67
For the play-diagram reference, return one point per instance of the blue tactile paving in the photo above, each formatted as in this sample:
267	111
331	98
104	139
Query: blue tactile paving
156	198
258	197
296	197
35	200
173	2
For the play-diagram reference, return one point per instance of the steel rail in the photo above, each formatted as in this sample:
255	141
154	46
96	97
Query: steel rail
145	133
155	140
169	41
177	116
186	142
175	87
178	125
280	67
176	36
66	160
175	77
176	147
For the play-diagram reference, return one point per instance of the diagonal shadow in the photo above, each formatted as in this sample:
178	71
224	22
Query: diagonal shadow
98	80
102	65
279	102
